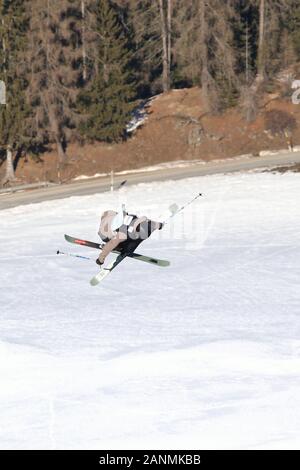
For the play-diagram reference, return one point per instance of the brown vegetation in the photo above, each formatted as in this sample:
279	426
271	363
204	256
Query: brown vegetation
175	129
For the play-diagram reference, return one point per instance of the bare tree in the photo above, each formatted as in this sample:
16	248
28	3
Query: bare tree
151	24
165	10
270	12
52	82
9	170
261	40
206	78
12	71
169	29
83	39
88	38
204	50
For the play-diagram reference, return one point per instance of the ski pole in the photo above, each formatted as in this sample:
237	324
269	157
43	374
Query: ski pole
183	207
73	255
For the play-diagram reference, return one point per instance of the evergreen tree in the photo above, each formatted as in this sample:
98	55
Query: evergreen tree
245	32
80	16
82	55
108	101
53	57
12	72
146	28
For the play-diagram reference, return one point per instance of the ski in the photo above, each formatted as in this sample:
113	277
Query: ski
137	256
163	263
78	241
107	270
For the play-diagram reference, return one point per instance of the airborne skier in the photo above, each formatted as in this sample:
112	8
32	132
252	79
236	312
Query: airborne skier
123	231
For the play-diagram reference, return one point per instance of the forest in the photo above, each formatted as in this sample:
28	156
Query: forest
74	70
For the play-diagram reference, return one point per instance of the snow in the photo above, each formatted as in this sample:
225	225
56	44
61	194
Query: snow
203	354
158	167
140	114
161	166
266	153
189	163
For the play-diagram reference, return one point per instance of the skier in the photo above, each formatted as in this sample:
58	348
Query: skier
123	231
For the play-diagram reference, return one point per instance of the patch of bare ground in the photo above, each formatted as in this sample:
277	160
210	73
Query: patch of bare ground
284	169
177	128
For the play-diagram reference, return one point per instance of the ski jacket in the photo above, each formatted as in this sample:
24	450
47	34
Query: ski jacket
129	230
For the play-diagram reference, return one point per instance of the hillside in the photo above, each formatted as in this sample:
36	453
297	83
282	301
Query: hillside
202	354
176	128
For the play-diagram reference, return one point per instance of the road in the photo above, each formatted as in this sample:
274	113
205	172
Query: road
98	185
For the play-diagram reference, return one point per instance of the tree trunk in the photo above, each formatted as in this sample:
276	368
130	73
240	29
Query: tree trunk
261	40
10	172
84	68
204	55
61	154
62	160
247	54
251	93
164	34
169	27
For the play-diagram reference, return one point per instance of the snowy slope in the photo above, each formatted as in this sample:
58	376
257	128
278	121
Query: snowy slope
203	354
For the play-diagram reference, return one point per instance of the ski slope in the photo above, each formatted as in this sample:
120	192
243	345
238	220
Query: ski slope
204	354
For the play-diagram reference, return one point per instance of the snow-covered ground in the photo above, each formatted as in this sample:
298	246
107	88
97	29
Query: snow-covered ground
203	354
189	163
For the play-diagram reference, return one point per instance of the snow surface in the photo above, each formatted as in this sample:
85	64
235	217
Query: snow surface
189	163
139	116
158	167
203	354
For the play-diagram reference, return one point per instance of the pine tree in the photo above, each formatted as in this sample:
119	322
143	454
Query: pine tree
81	30
108	101
53	56
245	30
149	24
12	73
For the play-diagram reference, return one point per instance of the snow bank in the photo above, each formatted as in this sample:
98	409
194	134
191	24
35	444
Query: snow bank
204	354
